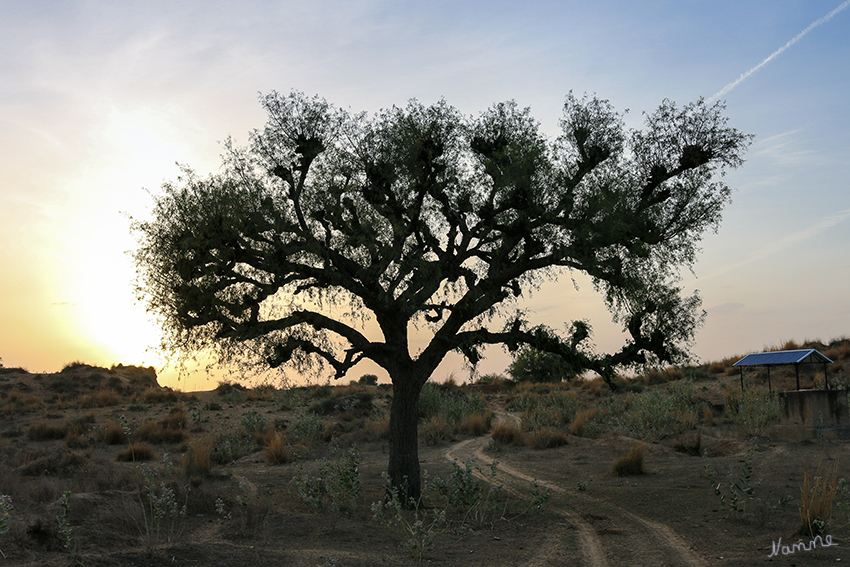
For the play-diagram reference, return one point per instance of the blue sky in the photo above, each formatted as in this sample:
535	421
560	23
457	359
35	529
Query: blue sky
98	100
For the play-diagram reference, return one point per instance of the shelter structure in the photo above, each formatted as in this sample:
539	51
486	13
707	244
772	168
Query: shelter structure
784	358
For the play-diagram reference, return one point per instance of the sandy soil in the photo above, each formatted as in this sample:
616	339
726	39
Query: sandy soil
668	516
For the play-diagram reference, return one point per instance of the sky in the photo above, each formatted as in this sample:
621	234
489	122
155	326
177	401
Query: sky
99	101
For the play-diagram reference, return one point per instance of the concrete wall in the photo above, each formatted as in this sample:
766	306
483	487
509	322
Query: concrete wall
814	407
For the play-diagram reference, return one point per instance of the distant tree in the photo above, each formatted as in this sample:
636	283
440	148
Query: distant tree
368	380
421	216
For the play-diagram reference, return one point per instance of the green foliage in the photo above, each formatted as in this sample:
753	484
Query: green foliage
336	485
230	446
306	428
163	516
452	404
64	524
532	365
253	422
655	414
754	410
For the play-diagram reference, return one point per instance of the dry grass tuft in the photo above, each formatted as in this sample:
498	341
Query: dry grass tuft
156	433
477	423
577	426
43	430
277	450
817	495
136	452
436	429
631	464
508	433
99	399
377	428
546	438
198	459
112	433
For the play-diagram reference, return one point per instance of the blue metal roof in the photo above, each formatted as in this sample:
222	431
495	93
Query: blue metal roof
801	356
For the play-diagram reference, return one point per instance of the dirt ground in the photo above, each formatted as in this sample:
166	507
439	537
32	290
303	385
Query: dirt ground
668	516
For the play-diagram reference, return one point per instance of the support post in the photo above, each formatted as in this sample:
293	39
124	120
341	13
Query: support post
742	379
797	371
769	388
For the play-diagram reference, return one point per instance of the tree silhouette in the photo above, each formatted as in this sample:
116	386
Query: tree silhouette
421	217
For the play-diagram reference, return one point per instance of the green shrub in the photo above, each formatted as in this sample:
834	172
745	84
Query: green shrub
753	411
336	484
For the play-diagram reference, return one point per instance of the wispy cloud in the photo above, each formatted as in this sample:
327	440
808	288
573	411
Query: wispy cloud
776	53
785	242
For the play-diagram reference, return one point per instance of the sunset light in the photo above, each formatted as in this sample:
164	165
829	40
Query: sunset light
100	103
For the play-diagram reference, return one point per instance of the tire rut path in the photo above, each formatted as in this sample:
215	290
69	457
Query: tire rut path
600	532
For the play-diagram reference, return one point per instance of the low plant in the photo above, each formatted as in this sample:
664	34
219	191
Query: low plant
377	426
436	428
655	414
68	544
630	464
253	423
413	524
737	492
162	513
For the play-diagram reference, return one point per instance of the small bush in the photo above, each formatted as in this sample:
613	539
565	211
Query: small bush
160	395
508	433
631	464
754	410
136	452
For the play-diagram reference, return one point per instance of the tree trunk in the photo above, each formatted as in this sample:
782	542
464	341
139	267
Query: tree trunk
403	467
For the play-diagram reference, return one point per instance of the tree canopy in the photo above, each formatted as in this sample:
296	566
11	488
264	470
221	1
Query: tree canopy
420	217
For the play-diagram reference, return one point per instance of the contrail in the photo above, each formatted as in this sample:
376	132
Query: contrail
773	55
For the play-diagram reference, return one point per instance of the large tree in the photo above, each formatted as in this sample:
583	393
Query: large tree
423	220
